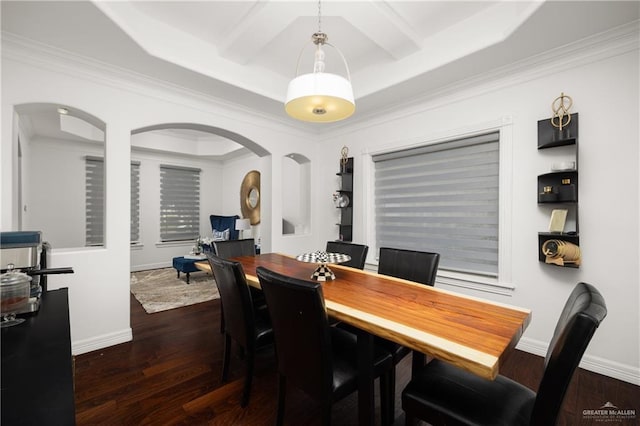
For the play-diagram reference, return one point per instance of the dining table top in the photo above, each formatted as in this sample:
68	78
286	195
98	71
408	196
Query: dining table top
472	333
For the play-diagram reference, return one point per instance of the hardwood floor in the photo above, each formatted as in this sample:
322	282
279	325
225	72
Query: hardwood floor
170	375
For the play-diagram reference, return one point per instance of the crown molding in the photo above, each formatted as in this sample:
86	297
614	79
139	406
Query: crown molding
40	55
615	42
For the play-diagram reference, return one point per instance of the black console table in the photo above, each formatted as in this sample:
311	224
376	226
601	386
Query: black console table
37	367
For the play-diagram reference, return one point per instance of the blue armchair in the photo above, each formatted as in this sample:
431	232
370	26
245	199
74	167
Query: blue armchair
221	223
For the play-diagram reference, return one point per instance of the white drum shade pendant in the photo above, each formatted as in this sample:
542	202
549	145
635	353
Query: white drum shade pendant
319	96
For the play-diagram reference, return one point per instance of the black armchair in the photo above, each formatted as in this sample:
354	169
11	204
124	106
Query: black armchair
312	356
358	252
242	324
442	394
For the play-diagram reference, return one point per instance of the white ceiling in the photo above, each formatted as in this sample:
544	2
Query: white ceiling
245	51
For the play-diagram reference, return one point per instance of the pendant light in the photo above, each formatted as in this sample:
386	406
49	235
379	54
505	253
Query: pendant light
319	96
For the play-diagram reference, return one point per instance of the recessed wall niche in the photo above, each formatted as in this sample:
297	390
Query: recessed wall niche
61	183
296	194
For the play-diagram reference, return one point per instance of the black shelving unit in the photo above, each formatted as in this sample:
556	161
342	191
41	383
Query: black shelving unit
345	227
559	190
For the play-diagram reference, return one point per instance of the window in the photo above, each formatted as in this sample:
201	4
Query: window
135	202
94	204
179	203
95	201
442	197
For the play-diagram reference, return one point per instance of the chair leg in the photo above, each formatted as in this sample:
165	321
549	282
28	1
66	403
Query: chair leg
225	357
282	391
248	379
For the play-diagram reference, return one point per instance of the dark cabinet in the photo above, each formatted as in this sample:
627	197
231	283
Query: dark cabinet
558	190
37	366
344	200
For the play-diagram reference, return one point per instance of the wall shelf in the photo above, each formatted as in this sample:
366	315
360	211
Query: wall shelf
559	190
345	226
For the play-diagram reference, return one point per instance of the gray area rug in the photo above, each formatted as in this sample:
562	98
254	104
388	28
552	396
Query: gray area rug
159	290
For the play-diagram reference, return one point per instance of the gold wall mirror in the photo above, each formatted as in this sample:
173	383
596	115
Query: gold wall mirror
250	197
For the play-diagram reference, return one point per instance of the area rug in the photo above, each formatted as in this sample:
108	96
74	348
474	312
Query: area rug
160	290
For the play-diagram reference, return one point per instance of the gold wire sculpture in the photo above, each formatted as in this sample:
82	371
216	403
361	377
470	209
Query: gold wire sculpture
561	111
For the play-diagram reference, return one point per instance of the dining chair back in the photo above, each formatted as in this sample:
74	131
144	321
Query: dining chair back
443	394
358	252
241	323
582	314
412	265
311	355
234	248
301	328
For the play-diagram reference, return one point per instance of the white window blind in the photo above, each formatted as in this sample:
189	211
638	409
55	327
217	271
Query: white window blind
179	203
442	198
135	202
94	201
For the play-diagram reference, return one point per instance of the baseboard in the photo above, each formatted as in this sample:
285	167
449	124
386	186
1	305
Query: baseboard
148	266
616	370
88	345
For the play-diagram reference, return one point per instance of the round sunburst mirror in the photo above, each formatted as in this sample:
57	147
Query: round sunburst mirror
250	197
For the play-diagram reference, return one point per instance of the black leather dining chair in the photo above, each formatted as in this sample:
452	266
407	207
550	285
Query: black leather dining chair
234	248
312	356
250	329
358	252
443	394
412	265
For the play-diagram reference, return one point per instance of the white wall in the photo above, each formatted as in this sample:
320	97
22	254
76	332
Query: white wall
99	289
603	82
54	190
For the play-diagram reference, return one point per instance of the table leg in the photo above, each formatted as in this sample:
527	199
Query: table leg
418	361
366	406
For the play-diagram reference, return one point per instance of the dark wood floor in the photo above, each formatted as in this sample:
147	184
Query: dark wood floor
170	375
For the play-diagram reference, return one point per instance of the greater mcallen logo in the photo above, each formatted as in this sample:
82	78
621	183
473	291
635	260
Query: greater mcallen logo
609	412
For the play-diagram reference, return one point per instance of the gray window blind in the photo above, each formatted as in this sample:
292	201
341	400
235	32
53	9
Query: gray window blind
179	203
135	201
94	201
443	198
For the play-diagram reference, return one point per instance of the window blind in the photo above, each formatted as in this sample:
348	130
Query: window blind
179	203
442	198
94	201
135	202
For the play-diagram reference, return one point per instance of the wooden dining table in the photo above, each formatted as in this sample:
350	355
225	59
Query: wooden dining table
474	334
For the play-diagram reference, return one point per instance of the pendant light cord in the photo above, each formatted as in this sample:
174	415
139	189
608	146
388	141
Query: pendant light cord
319	18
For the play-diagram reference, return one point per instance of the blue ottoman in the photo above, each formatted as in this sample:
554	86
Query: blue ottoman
185	265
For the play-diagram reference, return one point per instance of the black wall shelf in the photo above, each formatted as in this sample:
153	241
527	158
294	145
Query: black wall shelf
345	227
559	189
